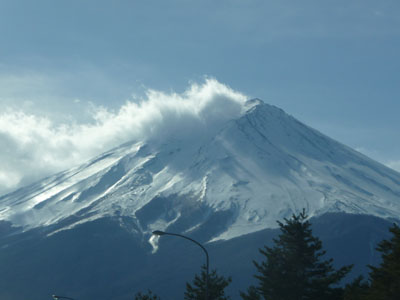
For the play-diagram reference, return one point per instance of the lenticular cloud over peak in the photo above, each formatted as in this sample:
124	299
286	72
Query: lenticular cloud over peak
34	146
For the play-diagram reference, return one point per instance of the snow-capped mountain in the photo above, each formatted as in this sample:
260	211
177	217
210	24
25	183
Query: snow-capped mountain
252	171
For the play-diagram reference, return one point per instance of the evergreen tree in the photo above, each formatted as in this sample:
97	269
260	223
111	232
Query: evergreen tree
252	294
294	268
385	279
216	286
356	290
148	296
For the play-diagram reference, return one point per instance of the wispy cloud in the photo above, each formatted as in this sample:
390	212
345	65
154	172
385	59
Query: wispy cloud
377	155
35	146
395	165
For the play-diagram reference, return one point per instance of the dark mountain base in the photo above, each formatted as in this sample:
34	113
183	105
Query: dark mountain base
108	259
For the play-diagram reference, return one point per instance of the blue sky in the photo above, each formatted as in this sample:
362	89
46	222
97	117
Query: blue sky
332	64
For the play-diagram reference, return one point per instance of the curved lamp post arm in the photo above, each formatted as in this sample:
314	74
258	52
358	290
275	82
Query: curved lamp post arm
160	233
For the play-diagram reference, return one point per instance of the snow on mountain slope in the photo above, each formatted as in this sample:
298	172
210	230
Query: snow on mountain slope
256	169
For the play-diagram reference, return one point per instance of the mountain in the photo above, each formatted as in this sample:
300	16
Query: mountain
255	170
219	187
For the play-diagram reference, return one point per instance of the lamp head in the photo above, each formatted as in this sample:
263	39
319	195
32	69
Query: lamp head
158	232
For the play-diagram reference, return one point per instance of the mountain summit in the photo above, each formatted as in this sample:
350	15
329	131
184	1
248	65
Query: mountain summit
238	179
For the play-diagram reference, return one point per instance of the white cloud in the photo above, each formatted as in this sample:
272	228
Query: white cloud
35	146
372	153
380	157
395	165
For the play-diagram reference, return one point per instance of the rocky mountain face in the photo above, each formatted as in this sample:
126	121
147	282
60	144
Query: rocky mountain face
223	188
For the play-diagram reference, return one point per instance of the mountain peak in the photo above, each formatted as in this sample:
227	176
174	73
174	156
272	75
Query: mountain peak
253	102
259	168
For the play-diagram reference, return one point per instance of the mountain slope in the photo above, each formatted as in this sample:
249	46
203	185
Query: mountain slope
239	179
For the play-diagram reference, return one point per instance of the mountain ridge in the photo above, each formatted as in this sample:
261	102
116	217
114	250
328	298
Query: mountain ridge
254	170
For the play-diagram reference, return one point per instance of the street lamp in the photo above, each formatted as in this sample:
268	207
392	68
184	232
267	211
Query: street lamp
160	233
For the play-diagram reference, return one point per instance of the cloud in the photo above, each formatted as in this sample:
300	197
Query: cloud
395	165
380	157
35	146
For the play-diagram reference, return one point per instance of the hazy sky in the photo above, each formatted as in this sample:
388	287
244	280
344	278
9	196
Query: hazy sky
67	68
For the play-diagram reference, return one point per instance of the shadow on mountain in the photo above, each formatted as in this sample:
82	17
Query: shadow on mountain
109	259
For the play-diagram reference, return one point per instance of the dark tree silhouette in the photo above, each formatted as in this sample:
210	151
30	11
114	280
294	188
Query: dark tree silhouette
148	296
294	268
385	279
356	290
216	286
252	294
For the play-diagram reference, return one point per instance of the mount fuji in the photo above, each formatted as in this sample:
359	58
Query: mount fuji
222	187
